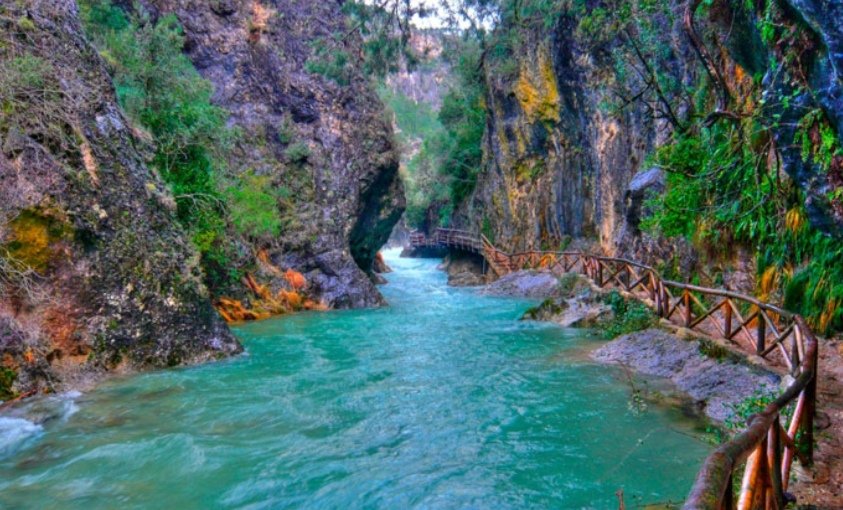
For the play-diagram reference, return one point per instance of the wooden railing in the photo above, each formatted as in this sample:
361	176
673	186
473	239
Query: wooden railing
448	238
781	338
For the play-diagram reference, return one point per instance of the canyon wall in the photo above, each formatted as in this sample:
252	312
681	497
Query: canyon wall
96	272
345	191
573	116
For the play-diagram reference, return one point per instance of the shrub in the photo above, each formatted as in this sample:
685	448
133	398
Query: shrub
628	316
297	153
721	194
463	114
253	206
571	282
286	131
743	410
330	61
31	100
160	89
7	378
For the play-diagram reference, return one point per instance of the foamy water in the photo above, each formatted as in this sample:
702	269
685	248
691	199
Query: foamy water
23	424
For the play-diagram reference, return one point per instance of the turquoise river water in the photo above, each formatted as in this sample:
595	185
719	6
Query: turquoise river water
441	400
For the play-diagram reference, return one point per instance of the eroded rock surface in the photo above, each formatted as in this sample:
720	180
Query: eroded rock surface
526	284
96	271
325	139
558	163
718	385
464	270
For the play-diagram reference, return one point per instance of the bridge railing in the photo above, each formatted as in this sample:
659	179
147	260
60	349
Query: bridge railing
452	238
771	441
768	446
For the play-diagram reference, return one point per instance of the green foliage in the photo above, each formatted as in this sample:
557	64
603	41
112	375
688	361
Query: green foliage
743	410
817	138
713	350
721	194
716	189
385	34
419	132
463	114
297	153
254	207
24	75
487	230
331	61
596	25
416	120
629	316
444	169
160	89
286	131
815	288
102	19
30	99
571	282
7	379
766	23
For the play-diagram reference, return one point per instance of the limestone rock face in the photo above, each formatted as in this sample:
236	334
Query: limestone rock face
325	139
96	272
559	163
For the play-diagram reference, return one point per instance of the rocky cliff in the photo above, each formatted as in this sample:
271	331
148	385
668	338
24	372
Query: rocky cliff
556	164
95	272
576	112
287	73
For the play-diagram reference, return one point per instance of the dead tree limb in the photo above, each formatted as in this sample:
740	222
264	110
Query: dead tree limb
651	80
724	96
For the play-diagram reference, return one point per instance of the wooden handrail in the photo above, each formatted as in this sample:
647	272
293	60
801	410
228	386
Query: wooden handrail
769	446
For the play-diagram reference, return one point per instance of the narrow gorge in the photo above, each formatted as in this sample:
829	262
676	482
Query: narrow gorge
450	254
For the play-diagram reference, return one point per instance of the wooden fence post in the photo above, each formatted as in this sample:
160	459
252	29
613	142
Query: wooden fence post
762	333
686	297
727	319
652	288
657	296
729	497
810	411
774	461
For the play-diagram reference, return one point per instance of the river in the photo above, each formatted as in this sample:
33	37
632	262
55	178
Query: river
441	400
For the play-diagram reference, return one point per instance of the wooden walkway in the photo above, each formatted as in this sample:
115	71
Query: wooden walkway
771	442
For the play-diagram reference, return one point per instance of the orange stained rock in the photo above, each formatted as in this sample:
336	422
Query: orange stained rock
291	298
319	306
233	310
261	291
263	258
265	303
295	279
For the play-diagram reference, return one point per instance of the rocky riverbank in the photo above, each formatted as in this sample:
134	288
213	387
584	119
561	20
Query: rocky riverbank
716	380
718	384
465	270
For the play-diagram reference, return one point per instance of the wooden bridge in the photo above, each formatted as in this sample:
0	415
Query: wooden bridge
771	441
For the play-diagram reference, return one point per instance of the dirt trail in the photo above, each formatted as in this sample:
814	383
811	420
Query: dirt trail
821	486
